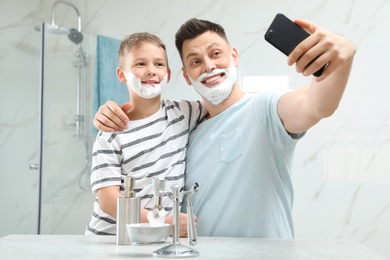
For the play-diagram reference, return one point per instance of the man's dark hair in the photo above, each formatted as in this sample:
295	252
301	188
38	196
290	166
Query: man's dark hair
193	28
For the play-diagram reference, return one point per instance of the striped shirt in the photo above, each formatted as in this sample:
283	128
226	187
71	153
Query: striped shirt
154	147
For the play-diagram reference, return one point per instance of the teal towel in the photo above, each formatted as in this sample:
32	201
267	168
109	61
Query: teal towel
107	85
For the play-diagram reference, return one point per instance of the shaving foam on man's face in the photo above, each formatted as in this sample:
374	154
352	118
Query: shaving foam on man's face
217	93
146	91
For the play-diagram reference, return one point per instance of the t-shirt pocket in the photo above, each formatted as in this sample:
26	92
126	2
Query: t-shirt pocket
230	145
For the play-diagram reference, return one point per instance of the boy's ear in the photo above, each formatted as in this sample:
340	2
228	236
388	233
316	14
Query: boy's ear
121	75
185	75
169	75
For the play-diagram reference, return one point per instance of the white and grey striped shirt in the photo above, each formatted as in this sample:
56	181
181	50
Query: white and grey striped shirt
154	147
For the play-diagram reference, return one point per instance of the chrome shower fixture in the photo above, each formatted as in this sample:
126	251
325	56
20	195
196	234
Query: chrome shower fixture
55	30
75	36
53	14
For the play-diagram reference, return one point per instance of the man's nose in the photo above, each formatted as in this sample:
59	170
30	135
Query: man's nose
209	65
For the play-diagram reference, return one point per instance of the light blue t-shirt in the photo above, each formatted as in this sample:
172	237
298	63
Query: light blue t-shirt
242	160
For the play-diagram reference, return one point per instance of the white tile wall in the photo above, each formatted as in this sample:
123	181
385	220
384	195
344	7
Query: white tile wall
341	174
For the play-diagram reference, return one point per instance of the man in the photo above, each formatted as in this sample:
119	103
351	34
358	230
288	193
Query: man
241	154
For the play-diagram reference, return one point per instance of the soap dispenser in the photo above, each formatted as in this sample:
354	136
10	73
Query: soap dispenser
127	211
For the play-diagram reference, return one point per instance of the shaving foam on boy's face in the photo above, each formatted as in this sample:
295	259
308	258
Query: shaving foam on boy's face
217	93
146	91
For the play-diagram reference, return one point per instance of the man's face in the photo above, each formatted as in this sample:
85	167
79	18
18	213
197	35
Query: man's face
206	53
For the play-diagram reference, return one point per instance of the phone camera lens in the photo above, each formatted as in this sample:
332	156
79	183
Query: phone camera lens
269	34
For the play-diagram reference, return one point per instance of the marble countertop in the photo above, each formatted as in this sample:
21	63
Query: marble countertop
104	247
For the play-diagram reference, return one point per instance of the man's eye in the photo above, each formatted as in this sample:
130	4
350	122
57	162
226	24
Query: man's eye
140	64
217	53
195	62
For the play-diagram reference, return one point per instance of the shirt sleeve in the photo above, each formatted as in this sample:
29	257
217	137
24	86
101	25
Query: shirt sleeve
106	162
268	118
194	112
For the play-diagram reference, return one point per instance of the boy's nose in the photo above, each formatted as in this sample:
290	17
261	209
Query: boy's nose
151	71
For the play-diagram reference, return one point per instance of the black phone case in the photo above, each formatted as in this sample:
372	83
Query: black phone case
285	35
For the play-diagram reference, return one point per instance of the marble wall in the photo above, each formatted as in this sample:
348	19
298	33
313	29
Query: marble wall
341	173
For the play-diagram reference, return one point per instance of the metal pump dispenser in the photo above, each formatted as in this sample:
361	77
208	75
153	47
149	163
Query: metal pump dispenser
127	211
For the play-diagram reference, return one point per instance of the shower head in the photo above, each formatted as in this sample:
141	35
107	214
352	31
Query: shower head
53	29
75	36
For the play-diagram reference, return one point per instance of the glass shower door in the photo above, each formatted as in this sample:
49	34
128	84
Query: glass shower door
19	86
66	137
45	155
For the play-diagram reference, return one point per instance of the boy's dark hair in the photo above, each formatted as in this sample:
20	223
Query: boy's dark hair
193	28
136	40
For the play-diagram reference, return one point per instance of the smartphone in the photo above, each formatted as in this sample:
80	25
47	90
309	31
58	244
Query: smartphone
285	35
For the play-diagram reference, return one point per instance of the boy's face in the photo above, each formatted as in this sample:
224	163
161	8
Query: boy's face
205	53
147	62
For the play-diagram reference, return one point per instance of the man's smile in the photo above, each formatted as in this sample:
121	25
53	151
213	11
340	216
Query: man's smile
213	79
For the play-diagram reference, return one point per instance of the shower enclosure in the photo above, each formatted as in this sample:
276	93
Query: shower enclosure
47	74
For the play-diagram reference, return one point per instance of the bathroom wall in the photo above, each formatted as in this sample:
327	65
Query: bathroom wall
342	171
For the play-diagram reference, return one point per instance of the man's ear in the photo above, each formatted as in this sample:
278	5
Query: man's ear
236	57
185	75
121	75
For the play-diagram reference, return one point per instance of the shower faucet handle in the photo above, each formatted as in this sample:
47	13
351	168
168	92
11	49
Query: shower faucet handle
79	118
34	166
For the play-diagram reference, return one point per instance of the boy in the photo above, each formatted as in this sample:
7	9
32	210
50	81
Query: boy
153	145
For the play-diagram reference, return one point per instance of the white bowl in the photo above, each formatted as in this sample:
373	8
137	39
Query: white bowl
144	233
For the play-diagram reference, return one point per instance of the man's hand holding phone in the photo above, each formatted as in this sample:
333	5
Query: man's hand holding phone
291	38
331	49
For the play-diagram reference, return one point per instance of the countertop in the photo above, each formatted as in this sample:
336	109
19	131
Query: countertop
104	247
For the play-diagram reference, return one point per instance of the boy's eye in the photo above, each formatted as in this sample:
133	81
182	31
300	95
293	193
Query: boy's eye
140	64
